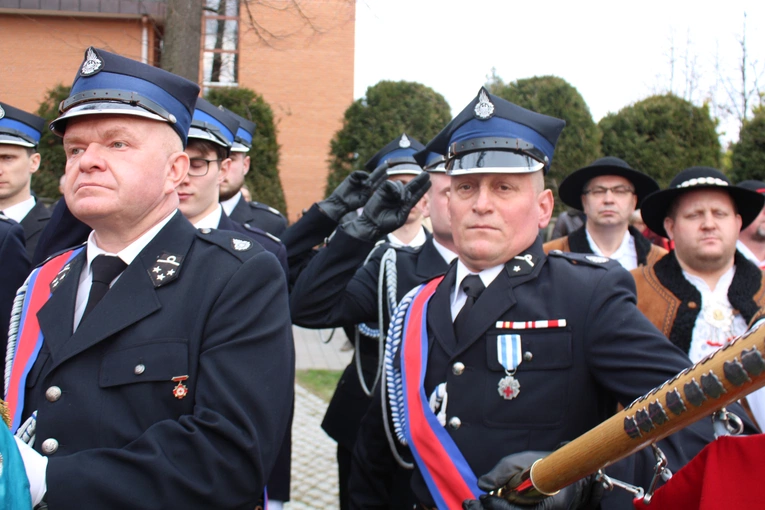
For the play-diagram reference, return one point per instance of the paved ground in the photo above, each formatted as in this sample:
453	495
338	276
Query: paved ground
314	469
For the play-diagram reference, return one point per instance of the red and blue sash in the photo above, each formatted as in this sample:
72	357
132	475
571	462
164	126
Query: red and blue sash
442	465
30	338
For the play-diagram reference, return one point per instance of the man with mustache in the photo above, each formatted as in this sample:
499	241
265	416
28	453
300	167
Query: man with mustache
608	191
703	293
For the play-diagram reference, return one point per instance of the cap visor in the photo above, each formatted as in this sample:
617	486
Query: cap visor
6	139
106	108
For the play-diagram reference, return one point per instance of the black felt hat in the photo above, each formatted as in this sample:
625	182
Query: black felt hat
570	190
655	206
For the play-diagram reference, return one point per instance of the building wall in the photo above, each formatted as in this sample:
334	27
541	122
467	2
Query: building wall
306	74
39	52
303	69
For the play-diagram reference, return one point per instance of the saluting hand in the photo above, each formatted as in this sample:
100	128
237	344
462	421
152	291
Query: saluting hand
353	192
388	208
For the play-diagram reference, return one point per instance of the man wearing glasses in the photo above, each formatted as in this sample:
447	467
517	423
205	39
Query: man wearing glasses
211	137
608	191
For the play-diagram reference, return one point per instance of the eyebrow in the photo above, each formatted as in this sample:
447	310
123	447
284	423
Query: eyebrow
108	134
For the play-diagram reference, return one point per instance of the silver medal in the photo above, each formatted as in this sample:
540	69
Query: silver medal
509	387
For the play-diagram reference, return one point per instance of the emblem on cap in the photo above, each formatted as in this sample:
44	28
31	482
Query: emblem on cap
484	109
404	143
92	64
2	112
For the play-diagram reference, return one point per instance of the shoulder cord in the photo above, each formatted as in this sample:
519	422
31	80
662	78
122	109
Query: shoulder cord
388	275
393	382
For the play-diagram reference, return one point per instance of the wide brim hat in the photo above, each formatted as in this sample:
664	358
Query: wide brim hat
655	206
570	190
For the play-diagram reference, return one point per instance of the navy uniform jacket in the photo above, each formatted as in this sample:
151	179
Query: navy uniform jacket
259	215
124	440
336	290
14	265
61	231
570	380
269	242
303	236
34	223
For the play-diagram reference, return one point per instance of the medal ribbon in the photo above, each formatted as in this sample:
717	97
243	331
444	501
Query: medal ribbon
447	474
30	338
509	352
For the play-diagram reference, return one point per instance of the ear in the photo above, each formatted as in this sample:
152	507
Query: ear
739	222
177	169
246	165
34	162
545	202
225	166
425	205
669	227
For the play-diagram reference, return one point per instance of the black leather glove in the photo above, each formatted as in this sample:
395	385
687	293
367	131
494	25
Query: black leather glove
353	192
584	494
388	208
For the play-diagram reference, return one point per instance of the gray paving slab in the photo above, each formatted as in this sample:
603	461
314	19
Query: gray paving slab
313	351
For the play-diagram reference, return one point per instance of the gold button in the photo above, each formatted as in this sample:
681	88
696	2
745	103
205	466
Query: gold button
139	369
49	446
458	368
455	423
692	305
53	393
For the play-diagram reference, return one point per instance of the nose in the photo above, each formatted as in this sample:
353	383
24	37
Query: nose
92	159
482	204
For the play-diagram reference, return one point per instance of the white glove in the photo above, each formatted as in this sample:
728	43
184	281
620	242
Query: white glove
35	465
437	401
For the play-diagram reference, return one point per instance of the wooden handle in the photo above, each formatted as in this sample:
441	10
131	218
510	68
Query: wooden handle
723	377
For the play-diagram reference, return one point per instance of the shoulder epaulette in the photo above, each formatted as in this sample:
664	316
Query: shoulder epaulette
585	258
265	207
241	246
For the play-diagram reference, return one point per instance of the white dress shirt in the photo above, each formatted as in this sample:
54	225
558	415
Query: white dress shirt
625	254
447	254
230	204
19	211
458	295
212	220
418	240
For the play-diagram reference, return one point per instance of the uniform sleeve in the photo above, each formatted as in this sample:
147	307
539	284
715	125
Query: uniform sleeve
15	267
303	236
335	289
221	455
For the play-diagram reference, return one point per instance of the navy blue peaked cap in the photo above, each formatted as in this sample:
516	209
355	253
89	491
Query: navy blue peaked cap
18	127
213	124
245	133
399	156
108	83
431	161
492	135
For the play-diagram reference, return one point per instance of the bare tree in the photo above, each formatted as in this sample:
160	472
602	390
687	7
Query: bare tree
183	35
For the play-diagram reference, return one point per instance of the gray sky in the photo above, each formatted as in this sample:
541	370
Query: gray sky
615	53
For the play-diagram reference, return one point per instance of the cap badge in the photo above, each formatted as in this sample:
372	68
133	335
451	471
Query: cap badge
92	64
404	143
241	244
2	112
484	109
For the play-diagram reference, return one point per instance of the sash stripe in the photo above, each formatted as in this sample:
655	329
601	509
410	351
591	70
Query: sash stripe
30	337
445	470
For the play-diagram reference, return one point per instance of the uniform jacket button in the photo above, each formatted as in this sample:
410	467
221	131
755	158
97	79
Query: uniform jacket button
455	423
53	393
139	369
205	230
528	356
458	368
49	446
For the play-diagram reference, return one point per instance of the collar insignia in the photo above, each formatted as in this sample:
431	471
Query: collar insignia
2	112
484	109
241	244
165	269
522	265
404	143
92	64
60	276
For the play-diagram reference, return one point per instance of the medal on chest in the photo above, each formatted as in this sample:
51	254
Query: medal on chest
181	390
509	356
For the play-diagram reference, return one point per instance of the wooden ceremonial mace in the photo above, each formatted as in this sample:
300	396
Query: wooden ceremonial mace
724	376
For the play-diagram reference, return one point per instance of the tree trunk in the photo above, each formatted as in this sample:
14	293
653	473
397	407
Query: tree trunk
183	35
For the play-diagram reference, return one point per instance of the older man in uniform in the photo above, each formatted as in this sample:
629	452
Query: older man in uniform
751	240
237	207
148	386
20	134
704	293
608	191
512	349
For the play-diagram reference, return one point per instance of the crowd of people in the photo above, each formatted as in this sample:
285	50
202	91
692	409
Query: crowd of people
149	312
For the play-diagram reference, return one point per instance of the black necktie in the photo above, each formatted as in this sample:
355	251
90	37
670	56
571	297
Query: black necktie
473	287
105	269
